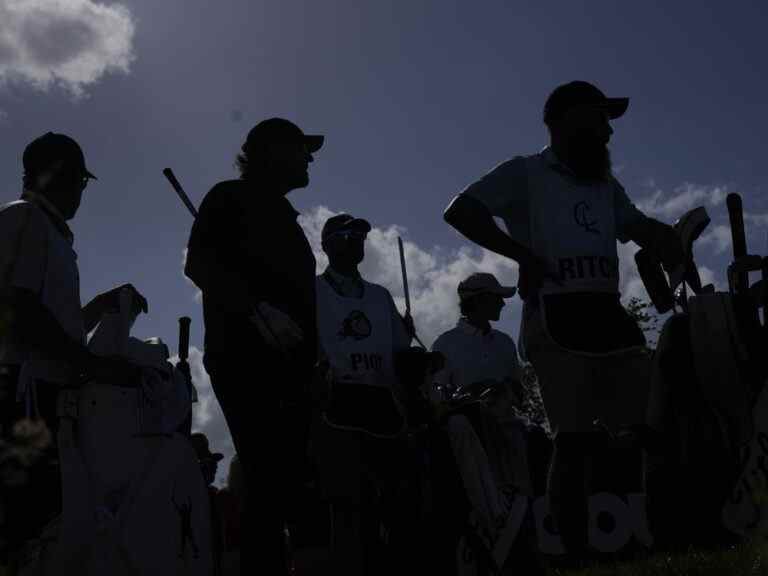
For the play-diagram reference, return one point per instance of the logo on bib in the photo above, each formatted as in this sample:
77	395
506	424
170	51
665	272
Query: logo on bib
581	215
355	326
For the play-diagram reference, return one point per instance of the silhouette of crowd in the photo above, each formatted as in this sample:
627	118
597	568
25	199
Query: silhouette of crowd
358	450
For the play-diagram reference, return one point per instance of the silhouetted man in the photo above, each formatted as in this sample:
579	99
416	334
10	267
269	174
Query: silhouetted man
362	456
479	356
42	339
564	211
249	256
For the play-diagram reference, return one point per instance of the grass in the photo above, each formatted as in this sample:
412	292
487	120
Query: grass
746	559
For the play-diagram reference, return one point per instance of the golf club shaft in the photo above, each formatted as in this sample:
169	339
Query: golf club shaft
168	173
738	237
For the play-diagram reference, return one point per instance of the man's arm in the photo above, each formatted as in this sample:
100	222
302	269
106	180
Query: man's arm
207	263
474	221
37	329
658	238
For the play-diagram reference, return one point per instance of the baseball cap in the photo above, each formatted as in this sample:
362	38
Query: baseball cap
580	93
484	283
50	148
202	449
280	130
344	222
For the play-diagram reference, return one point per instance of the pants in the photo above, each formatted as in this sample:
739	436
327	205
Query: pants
270	439
578	389
372	489
30	481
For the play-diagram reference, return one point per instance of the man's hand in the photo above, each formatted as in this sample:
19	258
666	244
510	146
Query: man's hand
669	248
534	271
110	301
276	327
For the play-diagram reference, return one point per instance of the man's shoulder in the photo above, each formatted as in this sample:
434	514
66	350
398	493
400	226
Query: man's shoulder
21	212
447	338
223	192
515	166
503	336
377	290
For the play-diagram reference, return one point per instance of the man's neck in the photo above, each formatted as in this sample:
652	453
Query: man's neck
345	270
480	323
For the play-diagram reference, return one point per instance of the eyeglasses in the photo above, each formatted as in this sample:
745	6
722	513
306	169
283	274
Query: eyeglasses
350	234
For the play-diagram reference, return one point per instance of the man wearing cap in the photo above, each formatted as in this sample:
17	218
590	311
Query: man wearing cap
479	357
42	323
249	256
209	464
564	210
359	444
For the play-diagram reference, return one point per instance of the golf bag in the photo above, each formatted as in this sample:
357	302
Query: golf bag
708	372
134	499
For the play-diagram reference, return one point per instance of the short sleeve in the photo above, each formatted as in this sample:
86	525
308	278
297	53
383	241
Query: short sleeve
625	213
504	192
23	247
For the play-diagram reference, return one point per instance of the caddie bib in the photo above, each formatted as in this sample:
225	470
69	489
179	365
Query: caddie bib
573	228
356	336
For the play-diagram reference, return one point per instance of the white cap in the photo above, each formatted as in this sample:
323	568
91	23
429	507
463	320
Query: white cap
484	283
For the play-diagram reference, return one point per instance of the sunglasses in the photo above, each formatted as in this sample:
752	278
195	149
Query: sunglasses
350	234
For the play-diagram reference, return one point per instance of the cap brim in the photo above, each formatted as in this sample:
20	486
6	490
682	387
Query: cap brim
358	224
616	107
314	142
217	456
503	291
91	175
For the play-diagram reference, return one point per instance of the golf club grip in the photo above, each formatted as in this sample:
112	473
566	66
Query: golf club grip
736	217
738	237
184	324
168	173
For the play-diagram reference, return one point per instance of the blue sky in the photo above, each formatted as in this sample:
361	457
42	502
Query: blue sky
416	100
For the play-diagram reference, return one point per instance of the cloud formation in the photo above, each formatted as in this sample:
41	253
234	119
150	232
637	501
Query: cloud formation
65	43
670	206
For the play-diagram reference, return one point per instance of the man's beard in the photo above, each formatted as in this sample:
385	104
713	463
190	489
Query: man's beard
590	160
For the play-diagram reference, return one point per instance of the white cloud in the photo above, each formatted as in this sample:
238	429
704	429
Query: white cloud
66	43
683	198
756	219
719	237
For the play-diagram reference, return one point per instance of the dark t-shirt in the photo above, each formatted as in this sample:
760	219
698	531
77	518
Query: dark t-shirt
242	231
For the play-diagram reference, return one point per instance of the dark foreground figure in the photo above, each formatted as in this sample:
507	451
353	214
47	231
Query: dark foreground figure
249	256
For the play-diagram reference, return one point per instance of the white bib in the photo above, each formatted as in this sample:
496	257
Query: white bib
356	334
573	228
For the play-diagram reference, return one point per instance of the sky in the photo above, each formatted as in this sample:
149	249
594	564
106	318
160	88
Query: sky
416	99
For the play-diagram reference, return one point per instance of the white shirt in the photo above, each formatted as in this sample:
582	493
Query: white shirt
36	254
471	356
572	225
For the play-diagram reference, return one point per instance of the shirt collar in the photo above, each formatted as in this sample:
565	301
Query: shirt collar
467	328
346	283
549	156
51	211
